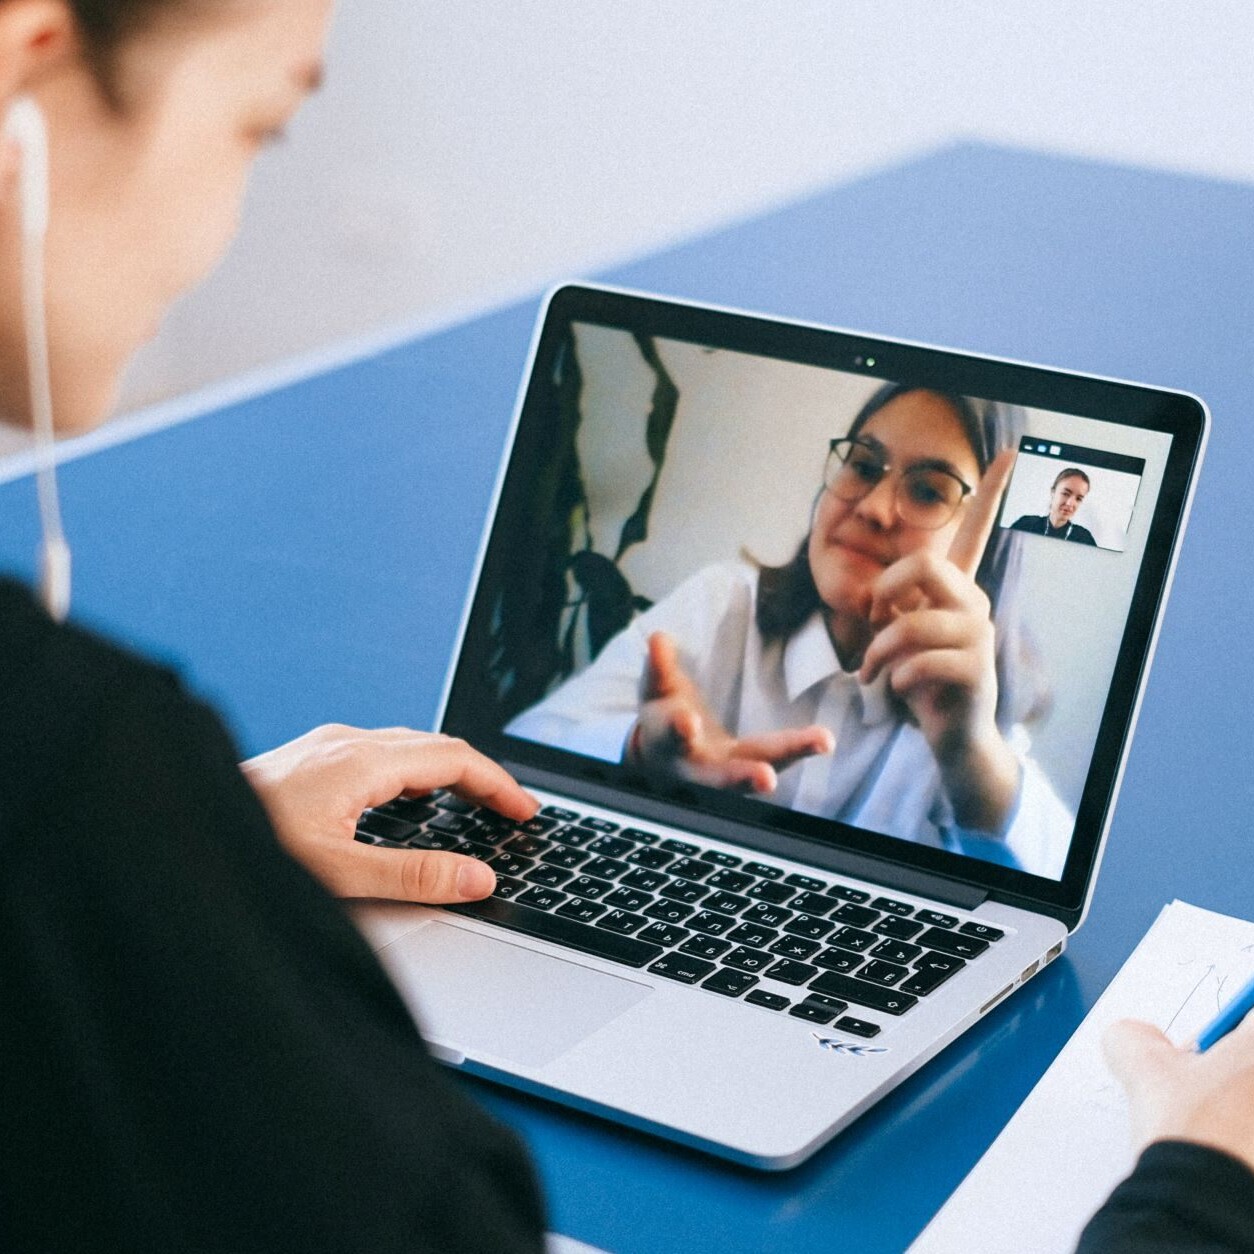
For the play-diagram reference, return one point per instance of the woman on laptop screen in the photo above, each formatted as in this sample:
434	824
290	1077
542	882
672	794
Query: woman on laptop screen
879	677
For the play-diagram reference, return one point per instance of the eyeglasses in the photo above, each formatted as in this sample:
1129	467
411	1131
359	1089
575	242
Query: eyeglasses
926	496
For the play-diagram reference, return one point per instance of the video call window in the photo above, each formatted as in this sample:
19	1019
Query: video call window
1078	495
689	490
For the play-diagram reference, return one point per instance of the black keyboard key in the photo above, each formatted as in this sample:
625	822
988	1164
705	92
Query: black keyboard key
789	972
860	993
507	887
763	871
885	973
772	1001
454	805
647	881
575	837
605	868
628	899
891	906
569	932
668	911
375	824
812	1012
650	859
682	967
529	846
586	912
856	895
731	881
563	856
663	934
933	918
681	847
730	983
808	926
719	858
711	923
857	1027
856	916
705	946
954	943
412	809
684	890
794	947
982	931
588	886
752	960
726	903
609	846
901	929
598	825
921	983
622	922
690	869
434	840
932	961
537	826
832	1003
838	960
509	863
541	898
771	916
549	876
641	837
753	934
562	816
895	951
812	903
852	939
808	882
473	849
766	890
454	824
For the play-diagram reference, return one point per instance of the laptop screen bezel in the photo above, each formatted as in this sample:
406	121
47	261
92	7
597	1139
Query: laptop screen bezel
1180	415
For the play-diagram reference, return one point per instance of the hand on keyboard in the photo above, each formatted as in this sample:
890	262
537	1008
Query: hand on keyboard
316	788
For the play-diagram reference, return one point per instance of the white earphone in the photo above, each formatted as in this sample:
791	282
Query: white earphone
24	126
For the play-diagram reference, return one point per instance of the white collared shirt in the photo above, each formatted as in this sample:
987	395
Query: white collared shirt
881	774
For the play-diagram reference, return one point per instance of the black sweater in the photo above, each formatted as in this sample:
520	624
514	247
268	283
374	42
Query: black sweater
199	1053
197	1050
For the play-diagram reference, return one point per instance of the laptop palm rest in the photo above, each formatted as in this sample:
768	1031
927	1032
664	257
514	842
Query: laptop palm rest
491	999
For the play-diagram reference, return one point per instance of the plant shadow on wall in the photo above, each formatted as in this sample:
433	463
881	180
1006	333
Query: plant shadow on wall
561	601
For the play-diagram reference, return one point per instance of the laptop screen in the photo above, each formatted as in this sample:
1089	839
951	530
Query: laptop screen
786	571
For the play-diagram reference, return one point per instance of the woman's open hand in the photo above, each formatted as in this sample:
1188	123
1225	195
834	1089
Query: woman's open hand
316	787
677	732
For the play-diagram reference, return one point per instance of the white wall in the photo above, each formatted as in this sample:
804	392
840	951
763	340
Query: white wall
463	153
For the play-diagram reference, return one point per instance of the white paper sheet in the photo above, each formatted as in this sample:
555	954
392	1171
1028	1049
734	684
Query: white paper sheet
1067	1146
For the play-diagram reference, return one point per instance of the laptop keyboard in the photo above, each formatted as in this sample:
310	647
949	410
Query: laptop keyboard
810	946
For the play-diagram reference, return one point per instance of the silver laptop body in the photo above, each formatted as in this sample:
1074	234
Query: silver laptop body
761	1052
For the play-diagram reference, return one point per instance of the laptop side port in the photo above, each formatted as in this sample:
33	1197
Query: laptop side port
1054	952
988	1005
1028	972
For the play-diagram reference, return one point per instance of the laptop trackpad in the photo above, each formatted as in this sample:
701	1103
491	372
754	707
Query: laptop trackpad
492	999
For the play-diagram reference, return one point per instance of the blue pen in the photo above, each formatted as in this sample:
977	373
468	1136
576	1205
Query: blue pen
1227	1018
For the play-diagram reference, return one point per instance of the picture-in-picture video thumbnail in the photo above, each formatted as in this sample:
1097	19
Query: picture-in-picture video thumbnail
1078	495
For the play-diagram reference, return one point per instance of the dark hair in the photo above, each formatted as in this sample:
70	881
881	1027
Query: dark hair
1072	472
787	595
106	25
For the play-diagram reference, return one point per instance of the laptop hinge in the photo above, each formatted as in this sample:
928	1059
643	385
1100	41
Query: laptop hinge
761	840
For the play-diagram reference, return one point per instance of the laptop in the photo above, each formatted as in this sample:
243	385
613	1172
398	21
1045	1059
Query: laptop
826	697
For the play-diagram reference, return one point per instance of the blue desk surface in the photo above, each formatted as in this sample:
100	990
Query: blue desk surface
303	557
